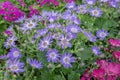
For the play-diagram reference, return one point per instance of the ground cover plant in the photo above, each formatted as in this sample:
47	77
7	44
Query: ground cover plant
60	40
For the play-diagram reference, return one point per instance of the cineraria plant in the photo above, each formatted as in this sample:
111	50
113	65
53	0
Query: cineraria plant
72	42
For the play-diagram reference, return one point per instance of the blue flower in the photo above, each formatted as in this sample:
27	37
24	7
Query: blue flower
10	42
14	53
67	59
52	55
97	12
102	34
28	25
64	42
35	63
90	2
44	43
15	66
71	5
73	28
96	50
81	9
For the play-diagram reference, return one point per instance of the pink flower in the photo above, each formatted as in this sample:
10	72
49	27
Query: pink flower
114	42
86	75
8	32
112	69
111	78
33	11
10	12
116	54
98	73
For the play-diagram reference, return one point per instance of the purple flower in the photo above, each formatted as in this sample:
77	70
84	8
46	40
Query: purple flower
81	9
15	66
35	63
71	5
66	15
53	16
14	53
70	35
102	34
76	21
64	42
103	0
42	32
3	57
52	55
36	18
113	3
90	2
73	28
21	19
97	12
96	50
44	43
56	36
89	35
67	59
28	25
10	42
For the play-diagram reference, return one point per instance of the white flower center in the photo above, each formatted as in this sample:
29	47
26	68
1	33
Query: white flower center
64	41
14	68
66	60
102	34
74	30
53	55
10	42
45	44
95	51
95	12
16	54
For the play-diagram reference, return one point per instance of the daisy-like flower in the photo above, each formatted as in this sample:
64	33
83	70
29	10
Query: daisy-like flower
70	35
44	43
102	34
97	12
35	63
76	21
14	53
81	9
73	28
15	66
53	16
10	42
42	32
71	5
113	3
64	42
67	59
52	55
28	25
90	2
66	15
96	50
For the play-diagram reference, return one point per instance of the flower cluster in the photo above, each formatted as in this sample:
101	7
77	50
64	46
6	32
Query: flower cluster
10	12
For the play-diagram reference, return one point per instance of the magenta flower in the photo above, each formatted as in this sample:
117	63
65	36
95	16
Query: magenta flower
116	54
10	12
98	74
114	42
